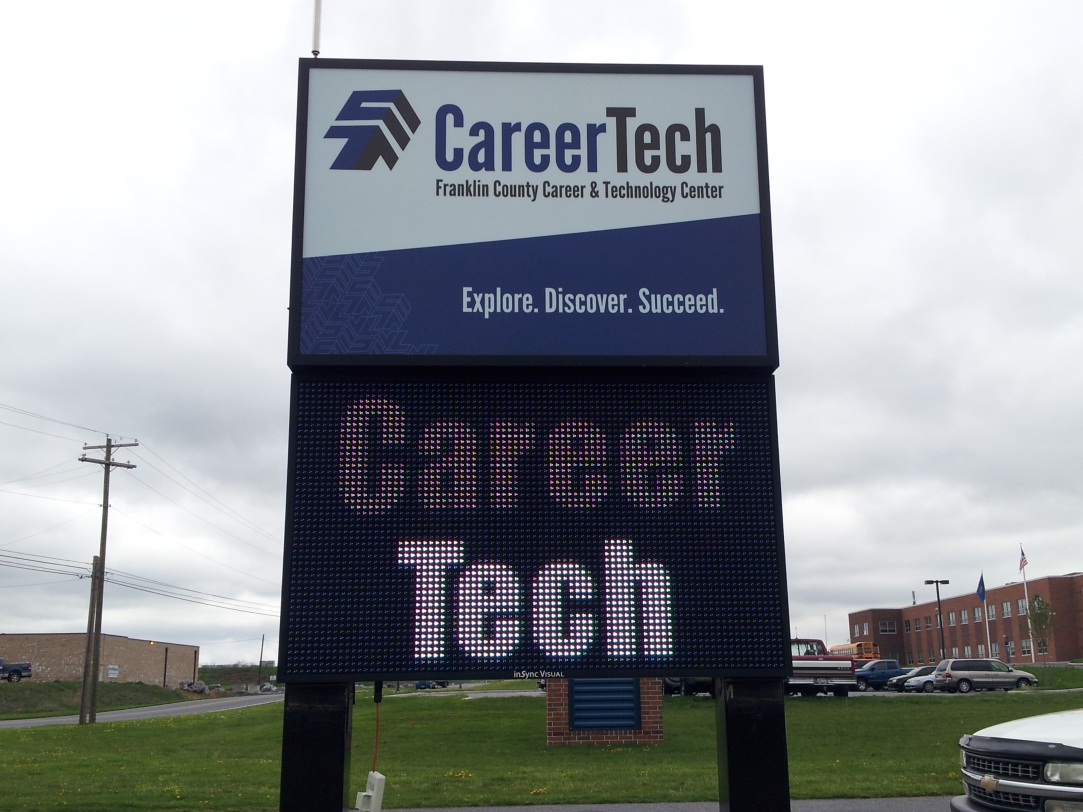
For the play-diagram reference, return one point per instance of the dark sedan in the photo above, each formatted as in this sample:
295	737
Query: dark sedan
897	683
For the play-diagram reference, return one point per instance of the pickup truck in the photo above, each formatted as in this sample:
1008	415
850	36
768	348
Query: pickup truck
874	676
13	672
815	671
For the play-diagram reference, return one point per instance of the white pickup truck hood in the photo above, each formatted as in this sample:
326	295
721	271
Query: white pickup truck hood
1065	727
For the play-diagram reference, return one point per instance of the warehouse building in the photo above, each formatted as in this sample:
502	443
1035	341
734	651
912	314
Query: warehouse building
123	659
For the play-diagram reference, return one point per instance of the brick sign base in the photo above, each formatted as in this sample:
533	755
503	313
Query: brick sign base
649	732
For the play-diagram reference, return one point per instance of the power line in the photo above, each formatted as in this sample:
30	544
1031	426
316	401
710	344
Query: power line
201	518
44	472
190	549
36	431
212	604
206	495
81	475
36	583
78	569
192	487
164	585
43	563
47	419
47	529
49	498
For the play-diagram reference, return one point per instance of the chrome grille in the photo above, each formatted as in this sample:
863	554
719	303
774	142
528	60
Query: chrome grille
1004	800
1004	767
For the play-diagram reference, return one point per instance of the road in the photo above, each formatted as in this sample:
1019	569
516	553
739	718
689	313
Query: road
154	711
929	804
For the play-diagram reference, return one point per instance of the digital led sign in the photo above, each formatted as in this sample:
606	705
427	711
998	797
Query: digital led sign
484	525
451	213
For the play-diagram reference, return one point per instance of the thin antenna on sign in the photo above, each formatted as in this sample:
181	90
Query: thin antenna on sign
316	30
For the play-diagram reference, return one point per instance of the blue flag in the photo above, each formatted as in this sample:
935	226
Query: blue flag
981	588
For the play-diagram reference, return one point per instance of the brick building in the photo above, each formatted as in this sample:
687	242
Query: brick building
998	628
123	659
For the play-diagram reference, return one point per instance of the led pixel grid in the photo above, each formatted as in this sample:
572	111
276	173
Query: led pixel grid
500	527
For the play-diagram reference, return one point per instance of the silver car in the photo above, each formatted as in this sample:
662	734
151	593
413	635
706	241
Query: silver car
965	675
922	681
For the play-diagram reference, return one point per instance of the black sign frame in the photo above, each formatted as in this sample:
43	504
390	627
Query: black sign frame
343	592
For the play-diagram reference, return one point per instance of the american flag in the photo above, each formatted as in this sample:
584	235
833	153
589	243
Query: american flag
1022	559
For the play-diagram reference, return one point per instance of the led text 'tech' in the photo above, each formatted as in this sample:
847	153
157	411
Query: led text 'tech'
652	464
490	611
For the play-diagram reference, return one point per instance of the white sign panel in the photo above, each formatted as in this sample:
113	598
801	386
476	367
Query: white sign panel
450	213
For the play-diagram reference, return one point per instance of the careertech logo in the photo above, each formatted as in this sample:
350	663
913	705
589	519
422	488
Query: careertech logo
385	112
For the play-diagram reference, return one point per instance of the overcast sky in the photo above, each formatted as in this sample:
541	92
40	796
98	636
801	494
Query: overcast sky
926	167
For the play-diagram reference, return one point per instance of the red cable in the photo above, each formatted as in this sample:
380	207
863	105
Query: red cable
376	744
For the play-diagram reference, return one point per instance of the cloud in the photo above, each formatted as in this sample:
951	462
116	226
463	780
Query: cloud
926	185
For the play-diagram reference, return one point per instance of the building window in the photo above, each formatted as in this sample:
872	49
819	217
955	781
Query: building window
981	650
906	626
1009	648
1006	609
888	627
1024	648
857	633
928	622
864	629
954	651
1043	645
1021	607
932	656
991	612
977	614
951	618
967	652
964	618
994	651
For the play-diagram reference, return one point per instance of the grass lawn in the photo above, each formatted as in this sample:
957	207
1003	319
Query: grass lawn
446	751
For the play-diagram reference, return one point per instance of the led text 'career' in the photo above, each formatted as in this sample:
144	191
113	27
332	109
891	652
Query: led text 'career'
651	464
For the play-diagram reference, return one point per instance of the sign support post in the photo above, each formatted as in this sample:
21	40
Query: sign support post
317	734
750	724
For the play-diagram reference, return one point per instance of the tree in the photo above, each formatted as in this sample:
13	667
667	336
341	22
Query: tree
1042	617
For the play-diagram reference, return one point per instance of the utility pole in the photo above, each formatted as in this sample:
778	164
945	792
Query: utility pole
88	657
259	668
88	707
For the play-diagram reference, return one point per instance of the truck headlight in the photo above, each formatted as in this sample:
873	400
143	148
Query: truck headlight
1065	772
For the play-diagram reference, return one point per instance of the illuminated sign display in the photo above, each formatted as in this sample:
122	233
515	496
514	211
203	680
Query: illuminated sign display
508	214
524	523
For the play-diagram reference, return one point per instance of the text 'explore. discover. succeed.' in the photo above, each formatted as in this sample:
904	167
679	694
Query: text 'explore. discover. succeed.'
559	301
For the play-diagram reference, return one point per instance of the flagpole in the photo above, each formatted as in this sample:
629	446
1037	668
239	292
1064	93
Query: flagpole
988	636
985	609
1026	597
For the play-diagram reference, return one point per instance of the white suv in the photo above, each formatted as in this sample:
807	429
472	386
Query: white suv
1033	763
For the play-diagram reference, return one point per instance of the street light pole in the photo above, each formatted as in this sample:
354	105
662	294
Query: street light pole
939	614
